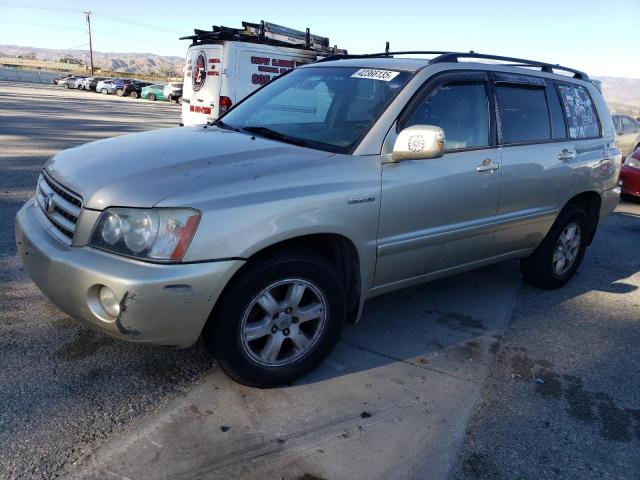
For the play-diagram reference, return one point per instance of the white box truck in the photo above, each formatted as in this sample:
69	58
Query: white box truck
225	65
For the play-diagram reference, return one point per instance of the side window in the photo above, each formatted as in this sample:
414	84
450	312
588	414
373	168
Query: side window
524	115
558	124
629	125
580	112
461	110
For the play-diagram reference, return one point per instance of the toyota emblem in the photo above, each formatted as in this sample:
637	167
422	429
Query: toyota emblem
48	204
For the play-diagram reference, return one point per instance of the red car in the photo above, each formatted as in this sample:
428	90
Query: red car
630	175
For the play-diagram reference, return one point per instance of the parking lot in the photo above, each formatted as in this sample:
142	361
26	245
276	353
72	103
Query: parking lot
475	376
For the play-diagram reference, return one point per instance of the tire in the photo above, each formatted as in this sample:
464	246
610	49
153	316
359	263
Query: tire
104	91
65	85
134	94
541	267
304	344
119	92
151	96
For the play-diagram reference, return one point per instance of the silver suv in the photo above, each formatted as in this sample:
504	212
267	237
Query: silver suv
341	180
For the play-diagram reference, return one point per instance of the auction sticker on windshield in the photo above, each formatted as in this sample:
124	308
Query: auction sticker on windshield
384	75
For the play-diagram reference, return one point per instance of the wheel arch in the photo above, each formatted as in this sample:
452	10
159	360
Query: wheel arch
339	250
590	201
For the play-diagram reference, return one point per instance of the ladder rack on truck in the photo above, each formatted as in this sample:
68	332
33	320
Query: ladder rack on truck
268	34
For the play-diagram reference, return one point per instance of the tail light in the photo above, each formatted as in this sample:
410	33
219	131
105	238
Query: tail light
225	104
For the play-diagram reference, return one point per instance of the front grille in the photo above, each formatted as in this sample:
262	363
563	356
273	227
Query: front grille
60	206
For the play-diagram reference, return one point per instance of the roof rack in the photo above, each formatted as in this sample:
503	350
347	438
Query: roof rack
387	53
443	57
545	67
265	33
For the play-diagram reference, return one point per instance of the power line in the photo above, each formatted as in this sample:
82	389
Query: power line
98	14
46	25
137	24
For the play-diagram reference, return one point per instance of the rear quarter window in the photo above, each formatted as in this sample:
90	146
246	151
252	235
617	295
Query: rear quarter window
580	112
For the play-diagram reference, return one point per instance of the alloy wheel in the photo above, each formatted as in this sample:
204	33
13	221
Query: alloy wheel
283	322
567	249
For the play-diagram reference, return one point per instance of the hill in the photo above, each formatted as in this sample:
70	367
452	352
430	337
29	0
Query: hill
145	63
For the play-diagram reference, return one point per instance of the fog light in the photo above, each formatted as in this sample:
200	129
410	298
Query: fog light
109	302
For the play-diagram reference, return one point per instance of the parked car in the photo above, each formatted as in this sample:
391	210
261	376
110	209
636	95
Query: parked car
120	84
172	91
266	231
59	78
630	175
70	82
628	134
106	87
90	83
153	92
134	89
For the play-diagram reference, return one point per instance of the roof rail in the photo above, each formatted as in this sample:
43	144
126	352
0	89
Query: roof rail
443	57
545	67
382	54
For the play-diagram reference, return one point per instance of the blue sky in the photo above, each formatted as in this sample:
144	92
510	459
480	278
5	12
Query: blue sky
596	36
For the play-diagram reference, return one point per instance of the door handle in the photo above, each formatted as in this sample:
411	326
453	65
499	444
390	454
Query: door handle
487	166
565	155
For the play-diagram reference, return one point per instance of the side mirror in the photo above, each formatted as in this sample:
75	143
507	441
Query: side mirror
419	142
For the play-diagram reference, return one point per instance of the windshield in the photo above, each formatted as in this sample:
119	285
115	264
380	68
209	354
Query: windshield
328	108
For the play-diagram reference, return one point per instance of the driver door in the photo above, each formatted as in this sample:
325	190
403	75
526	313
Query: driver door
437	214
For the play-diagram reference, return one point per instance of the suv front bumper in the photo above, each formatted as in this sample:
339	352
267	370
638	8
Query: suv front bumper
162	304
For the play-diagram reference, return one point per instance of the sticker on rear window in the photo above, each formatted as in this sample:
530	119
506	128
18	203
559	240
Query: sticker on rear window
384	75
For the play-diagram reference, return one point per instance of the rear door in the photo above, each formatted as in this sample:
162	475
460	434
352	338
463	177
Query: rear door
201	88
548	130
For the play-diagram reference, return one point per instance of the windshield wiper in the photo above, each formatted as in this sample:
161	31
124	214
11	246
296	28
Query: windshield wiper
269	133
225	126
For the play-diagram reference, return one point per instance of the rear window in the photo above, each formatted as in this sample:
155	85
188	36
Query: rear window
524	114
580	112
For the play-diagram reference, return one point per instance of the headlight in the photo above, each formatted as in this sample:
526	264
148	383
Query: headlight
632	162
155	234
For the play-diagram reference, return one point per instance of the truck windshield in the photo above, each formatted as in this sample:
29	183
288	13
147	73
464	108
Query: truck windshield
328	108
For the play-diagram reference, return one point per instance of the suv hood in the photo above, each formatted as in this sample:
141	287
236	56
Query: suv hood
139	170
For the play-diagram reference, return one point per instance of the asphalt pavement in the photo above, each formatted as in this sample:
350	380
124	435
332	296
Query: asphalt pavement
65	388
563	398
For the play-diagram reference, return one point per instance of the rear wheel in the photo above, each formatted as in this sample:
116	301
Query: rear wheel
119	92
151	96
278	320
134	94
104	91
559	255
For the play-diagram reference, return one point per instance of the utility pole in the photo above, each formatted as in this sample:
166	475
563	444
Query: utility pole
88	17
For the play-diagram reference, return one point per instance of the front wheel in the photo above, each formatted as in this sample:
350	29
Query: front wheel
151	97
104	91
559	255
279	319
119	92
133	94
